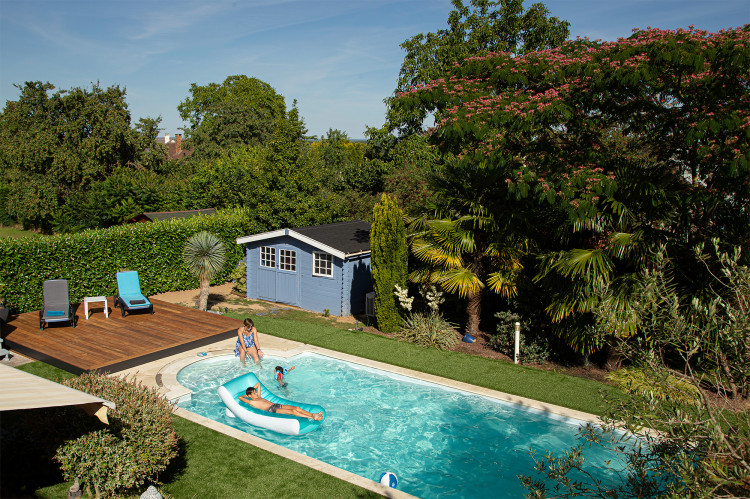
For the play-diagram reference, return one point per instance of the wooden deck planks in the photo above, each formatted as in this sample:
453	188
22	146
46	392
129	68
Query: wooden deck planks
115	343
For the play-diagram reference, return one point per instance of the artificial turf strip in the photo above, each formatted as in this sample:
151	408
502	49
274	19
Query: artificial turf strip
220	466
545	386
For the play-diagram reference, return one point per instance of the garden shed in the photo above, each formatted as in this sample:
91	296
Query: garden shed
319	268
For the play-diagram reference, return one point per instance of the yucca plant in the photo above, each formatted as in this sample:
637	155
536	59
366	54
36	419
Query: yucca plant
204	256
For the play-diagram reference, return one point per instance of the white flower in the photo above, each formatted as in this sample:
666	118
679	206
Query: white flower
403	297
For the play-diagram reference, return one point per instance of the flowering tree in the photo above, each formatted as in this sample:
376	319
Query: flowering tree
625	144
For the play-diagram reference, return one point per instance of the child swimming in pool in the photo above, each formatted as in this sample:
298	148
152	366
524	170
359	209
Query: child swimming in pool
253	397
279	374
247	342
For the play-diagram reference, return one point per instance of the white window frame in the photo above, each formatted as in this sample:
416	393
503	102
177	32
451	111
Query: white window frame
268	255
287	260
317	257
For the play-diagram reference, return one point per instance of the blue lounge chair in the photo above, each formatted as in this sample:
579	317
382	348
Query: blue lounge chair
129	296
57	307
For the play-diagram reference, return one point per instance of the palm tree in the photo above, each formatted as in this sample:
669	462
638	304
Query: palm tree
472	239
465	254
204	256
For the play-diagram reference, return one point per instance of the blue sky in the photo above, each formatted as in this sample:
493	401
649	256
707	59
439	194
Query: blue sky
338	58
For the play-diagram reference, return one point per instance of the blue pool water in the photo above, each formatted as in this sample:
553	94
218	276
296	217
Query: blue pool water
439	442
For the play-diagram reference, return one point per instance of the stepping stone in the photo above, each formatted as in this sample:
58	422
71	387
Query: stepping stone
261	313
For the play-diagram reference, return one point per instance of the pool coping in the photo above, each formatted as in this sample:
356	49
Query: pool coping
162	376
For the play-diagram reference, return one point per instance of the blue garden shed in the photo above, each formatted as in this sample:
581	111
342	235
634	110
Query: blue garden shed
315	268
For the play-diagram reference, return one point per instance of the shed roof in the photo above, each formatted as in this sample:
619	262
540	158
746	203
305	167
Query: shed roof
22	390
341	239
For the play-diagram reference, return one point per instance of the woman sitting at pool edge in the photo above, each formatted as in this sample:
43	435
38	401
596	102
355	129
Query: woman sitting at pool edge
252	397
247	342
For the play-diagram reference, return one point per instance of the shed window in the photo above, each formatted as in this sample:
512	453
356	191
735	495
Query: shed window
268	257
288	260
322	264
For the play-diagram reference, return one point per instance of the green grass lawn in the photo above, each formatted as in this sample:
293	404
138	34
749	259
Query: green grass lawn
212	464
15	233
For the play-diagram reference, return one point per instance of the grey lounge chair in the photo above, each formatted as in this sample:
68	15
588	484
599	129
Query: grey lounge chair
57	307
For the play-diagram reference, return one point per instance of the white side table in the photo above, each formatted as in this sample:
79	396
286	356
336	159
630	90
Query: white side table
95	299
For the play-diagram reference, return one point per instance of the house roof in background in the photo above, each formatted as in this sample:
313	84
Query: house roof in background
167	215
339	239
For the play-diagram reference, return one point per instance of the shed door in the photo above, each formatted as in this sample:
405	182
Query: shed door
287	277
267	274
278	278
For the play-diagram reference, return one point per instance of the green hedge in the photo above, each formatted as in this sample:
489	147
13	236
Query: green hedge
90	259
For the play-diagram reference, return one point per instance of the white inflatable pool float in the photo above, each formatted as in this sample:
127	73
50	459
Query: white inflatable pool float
282	423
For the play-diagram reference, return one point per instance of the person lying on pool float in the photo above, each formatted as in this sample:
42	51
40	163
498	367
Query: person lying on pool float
252	397
279	374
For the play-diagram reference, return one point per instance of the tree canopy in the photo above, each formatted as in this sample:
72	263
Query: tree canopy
626	144
476	29
53	145
241	111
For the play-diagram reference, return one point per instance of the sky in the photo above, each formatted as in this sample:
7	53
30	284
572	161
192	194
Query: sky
338	58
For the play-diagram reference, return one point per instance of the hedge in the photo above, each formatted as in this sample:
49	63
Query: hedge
90	259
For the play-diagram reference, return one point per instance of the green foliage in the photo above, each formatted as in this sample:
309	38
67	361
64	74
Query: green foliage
90	259
204	256
600	153
54	145
533	347
279	184
428	329
239	276
389	255
666	387
474	30
118	199
685	399
133	449
5	217
408	180
239	112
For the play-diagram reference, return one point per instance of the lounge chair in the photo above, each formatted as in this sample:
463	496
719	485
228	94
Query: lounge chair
57	307
129	296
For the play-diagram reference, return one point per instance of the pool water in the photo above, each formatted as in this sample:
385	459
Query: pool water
440	442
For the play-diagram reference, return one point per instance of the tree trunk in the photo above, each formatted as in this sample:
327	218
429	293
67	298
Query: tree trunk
473	311
203	297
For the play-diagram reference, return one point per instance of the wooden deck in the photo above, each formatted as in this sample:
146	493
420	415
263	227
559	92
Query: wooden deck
116	343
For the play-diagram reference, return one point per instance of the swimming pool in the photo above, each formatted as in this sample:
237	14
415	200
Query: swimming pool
439	441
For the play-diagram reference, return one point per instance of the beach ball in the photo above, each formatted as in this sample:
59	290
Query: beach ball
389	479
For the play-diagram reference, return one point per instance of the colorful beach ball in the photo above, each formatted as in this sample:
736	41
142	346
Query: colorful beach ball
389	479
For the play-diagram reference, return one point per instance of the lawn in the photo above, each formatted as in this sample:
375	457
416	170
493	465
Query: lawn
15	233
212	464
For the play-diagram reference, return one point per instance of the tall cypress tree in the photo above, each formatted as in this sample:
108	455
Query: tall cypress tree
389	253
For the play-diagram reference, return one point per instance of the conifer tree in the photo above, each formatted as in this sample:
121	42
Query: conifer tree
389	253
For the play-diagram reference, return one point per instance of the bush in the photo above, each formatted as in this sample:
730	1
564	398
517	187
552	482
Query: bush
136	446
532	348
430	330
90	259
239	277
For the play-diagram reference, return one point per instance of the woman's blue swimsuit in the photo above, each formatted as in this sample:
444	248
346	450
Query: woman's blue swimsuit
249	342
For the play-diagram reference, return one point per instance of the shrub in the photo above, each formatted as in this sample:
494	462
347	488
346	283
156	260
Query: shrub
388	260
666	386
532	348
90	259
239	277
430	330
136	446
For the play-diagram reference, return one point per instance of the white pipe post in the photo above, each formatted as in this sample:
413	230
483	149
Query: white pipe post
518	342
